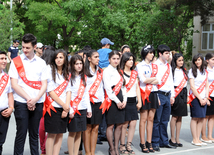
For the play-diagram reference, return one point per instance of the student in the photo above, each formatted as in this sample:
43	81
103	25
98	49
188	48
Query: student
125	48
115	101
6	100
209	120
29	82
56	105
96	92
80	107
127	64
166	97
147	72
179	108
199	91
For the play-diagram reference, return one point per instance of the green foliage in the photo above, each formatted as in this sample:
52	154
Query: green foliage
5	28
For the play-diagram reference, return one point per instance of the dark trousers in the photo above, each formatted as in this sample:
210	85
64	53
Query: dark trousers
161	119
4	122
27	120
102	128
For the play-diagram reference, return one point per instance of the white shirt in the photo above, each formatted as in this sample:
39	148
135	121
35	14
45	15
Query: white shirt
198	81
4	95
111	77
85	102
211	78
132	91
168	86
143	70
35	70
53	85
178	77
100	91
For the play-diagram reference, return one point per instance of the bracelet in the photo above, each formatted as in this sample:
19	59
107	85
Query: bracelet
11	108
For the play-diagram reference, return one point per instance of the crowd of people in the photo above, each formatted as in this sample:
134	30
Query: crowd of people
103	91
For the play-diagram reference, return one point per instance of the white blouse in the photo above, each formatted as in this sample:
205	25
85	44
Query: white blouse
211	78
198	81
85	102
4	95
100	91
144	71
178	77
132	91
110	78
53	85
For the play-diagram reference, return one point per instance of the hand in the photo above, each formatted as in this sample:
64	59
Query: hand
66	107
159	102
172	100
208	103
32	102
120	105
139	105
31	108
89	114
124	104
7	112
71	116
64	114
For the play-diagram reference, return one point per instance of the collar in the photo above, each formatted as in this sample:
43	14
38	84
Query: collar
2	73
143	63
111	67
91	71
161	63
25	58
210	70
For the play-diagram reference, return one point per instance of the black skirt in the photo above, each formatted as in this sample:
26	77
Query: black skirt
131	112
54	123
197	110
96	114
179	107
78	123
210	109
153	104
115	115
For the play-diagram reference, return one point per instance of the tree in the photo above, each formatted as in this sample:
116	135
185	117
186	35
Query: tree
6	16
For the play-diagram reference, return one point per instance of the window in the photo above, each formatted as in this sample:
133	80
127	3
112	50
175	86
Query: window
207	37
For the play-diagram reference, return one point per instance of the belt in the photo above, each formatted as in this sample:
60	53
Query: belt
164	93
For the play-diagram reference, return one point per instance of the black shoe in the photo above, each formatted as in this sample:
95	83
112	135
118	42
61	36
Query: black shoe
179	145
172	144
99	142
143	148
156	148
103	139
169	146
149	146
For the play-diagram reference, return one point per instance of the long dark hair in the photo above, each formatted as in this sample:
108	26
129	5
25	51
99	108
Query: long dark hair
48	55
145	50
194	67
53	65
174	64
125	57
87	63
72	62
111	54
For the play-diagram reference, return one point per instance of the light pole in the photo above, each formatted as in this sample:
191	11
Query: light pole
11	29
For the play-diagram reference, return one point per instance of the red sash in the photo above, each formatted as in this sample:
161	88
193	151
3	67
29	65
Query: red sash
211	88
145	94
132	80
107	102
181	85
165	77
199	90
95	86
74	104
21	71
48	100
3	82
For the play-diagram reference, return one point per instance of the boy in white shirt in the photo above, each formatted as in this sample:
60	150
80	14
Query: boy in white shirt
6	99
29	82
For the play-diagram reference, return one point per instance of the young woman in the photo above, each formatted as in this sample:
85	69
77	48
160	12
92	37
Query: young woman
80	107
115	101
199	91
148	80
179	108
127	64
96	92
56	105
210	109
125	48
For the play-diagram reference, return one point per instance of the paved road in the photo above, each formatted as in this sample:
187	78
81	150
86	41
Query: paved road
185	138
